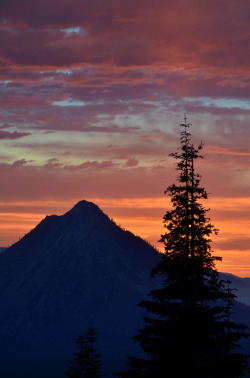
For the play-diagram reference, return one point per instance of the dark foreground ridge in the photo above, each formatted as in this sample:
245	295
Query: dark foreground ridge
70	271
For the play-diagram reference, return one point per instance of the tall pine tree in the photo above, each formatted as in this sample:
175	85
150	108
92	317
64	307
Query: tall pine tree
189	332
86	361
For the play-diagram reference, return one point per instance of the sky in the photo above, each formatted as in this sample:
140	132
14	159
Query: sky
92	93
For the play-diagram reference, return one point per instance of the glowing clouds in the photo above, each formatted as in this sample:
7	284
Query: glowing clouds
92	94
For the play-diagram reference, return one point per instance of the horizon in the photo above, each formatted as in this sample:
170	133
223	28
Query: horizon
92	96
226	266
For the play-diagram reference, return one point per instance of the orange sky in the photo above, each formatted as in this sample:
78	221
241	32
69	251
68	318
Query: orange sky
143	216
92	94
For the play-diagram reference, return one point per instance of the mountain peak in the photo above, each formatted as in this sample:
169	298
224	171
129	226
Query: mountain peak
83	204
86	212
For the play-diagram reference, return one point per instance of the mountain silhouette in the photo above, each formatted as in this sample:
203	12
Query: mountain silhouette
71	271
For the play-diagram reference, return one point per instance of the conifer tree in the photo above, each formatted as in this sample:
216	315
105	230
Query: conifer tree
86	361
189	332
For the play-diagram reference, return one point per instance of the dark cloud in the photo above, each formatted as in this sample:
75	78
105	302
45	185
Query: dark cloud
12	135
91	165
20	163
183	33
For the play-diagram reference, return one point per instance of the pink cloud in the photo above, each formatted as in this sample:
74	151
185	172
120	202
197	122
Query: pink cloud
136	68
132	162
91	165
52	163
127	35
112	147
152	136
91	179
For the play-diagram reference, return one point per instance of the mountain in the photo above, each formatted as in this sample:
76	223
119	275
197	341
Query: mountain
241	287
71	271
2	249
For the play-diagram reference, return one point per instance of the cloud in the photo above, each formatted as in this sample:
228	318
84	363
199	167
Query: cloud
240	244
91	165
152	136
126	35
137	67
19	163
12	135
112	147
132	162
52	163
90	179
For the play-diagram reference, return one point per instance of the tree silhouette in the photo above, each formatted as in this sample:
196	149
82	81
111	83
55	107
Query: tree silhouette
189	332
86	361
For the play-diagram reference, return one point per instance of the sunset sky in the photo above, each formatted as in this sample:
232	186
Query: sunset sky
92	95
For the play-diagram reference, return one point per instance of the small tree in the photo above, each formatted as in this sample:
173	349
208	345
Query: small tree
189	332
86	362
